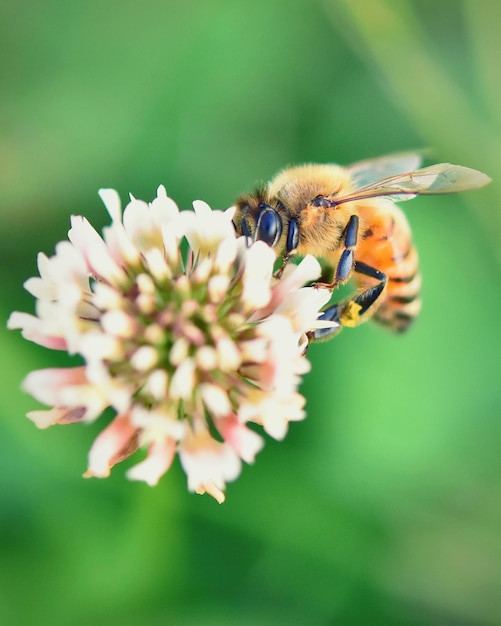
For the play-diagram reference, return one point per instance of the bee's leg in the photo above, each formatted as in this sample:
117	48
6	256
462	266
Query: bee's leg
285	260
330	314
349	312
354	308
346	263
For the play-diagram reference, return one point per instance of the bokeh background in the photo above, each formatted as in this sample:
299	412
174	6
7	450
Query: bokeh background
384	506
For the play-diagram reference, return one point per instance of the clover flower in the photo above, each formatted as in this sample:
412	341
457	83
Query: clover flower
187	348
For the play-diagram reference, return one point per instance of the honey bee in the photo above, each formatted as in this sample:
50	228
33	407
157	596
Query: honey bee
347	216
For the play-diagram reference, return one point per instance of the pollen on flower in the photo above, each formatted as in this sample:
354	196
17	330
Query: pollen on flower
188	346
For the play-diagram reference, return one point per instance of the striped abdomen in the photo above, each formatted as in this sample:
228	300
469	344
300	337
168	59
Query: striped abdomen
386	244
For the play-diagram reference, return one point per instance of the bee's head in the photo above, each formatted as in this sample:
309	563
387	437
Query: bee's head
261	218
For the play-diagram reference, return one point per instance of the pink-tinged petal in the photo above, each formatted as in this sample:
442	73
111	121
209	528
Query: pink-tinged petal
32	329
57	415
117	442
48	385
244	441
159	459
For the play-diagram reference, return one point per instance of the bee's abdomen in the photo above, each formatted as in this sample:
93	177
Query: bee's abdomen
387	246
401	301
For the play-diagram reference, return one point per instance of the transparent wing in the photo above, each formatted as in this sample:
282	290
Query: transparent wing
372	170
436	179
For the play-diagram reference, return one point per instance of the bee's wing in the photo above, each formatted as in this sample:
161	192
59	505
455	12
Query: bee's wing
371	170
436	179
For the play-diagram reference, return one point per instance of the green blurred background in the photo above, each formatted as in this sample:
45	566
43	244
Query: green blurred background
384	506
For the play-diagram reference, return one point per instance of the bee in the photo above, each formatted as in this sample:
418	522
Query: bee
347	216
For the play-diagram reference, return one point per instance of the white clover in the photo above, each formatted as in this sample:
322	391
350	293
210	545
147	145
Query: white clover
187	348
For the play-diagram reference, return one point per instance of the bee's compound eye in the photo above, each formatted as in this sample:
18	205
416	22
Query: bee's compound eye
269	225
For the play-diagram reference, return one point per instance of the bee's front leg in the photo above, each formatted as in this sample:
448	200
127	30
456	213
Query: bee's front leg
285	261
346	263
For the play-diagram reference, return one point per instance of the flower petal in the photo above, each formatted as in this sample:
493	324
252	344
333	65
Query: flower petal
257	275
244	441
116	442
99	259
48	385
208	463
159	459
33	329
112	202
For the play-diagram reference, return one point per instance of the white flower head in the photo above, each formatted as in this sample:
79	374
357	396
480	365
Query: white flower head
188	348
